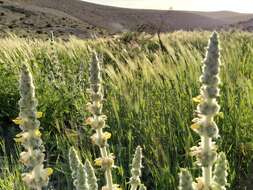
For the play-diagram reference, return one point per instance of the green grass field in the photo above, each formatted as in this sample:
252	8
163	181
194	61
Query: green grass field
148	88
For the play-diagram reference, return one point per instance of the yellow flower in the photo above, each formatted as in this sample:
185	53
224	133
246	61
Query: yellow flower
106	162
18	121
98	161
220	115
21	137
49	171
43	172
195	126
198	99
107	135
37	133
39	114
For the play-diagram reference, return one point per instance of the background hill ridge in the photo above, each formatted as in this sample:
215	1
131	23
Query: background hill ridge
82	19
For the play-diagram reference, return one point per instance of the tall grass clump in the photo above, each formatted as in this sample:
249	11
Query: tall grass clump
205	126
35	176
100	138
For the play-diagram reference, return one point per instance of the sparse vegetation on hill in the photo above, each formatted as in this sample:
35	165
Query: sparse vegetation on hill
36	18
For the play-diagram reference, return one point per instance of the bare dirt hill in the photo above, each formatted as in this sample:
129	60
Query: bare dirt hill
29	20
75	17
121	19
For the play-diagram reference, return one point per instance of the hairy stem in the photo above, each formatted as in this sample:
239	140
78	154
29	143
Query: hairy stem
134	187
207	171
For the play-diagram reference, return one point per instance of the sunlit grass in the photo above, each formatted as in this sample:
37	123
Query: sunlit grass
148	101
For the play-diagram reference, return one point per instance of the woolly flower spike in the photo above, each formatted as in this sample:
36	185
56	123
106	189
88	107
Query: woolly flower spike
55	67
91	177
136	169
28	102
208	106
207	109
95	73
78	173
97	123
33	156
186	182
220	171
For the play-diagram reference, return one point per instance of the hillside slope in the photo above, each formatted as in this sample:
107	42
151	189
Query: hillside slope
29	20
121	19
83	19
